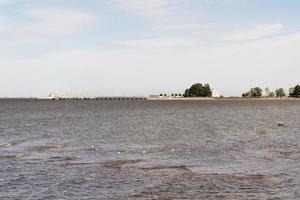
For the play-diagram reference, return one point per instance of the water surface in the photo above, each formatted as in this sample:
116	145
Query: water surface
222	149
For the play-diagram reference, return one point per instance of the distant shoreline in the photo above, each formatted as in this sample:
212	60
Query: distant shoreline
157	99
223	98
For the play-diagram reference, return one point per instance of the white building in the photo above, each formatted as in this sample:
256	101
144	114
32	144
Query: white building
215	93
49	97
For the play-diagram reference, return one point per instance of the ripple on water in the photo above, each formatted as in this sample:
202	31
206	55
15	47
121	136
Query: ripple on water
46	147
5	145
150	150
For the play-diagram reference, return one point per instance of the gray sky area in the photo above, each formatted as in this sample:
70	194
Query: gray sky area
134	47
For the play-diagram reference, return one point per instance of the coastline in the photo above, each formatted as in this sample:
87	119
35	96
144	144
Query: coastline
156	99
223	98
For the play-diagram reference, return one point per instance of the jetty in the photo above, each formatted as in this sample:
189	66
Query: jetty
52	97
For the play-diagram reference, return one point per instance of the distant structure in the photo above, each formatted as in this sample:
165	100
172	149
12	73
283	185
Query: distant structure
49	97
215	94
53	97
154	96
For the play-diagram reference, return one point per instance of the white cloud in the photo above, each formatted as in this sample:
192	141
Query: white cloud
172	15
159	12
54	22
4	24
168	12
157	42
153	10
5	2
257	32
42	24
130	71
20	36
223	1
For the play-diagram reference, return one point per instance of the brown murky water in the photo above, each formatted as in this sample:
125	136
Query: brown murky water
150	150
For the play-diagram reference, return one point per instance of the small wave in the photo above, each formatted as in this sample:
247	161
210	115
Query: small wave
108	164
120	163
294	155
47	147
63	158
6	145
163	167
13	156
229	175
88	178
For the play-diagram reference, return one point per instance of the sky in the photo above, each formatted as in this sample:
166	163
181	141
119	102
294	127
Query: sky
142	47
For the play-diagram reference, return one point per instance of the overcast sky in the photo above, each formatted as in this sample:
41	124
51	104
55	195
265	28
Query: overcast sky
141	47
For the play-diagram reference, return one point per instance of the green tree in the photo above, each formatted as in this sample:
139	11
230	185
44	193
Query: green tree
198	90
291	91
296	92
271	94
187	93
280	92
207	91
246	94
256	92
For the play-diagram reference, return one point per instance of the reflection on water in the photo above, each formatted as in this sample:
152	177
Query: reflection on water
150	150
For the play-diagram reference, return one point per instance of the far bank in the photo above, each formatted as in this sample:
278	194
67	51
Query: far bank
218	99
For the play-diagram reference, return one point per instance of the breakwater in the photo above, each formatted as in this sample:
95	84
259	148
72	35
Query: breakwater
91	98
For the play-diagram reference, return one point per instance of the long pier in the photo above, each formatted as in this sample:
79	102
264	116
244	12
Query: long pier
51	98
119	98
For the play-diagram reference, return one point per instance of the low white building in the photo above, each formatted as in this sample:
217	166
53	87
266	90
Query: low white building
215	93
49	97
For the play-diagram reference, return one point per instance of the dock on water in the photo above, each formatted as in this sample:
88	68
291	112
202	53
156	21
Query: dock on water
116	98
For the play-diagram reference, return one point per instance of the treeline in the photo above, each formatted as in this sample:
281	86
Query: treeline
204	90
256	92
196	90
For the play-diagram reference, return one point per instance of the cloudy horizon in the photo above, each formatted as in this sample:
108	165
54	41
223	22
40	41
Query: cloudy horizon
135	47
